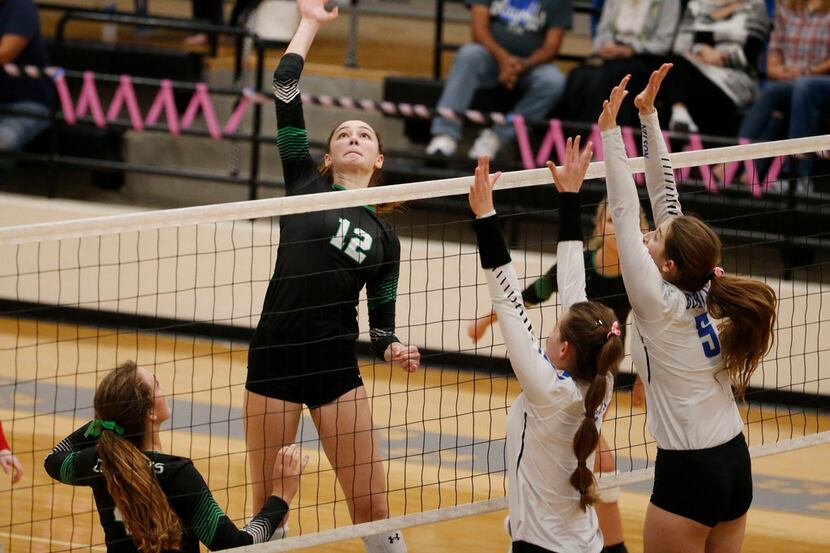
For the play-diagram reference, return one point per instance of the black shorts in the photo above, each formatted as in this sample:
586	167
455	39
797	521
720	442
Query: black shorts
706	485
313	374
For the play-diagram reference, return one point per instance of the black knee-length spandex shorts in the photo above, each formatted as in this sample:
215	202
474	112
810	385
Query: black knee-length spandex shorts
706	485
312	374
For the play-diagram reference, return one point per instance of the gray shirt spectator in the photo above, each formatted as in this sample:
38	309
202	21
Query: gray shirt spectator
514	42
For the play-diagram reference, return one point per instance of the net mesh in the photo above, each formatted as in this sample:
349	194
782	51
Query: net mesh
181	291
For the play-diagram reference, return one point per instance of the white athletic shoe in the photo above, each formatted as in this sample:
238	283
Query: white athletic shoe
442	145
681	120
280	533
487	144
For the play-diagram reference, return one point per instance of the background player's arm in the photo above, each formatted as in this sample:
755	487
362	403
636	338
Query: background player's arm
62	461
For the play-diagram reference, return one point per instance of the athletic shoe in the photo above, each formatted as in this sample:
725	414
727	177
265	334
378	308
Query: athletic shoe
442	145
681	120
487	144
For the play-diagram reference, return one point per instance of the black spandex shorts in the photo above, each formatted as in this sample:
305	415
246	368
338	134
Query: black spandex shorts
313	374
706	485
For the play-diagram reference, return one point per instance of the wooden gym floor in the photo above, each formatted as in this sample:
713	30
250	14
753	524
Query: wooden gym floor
451	444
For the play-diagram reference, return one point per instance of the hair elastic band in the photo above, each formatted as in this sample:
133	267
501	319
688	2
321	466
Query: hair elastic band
97	426
716	272
581	464
615	330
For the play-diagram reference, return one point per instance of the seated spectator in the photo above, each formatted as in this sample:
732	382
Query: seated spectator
632	37
796	100
716	53
515	42
21	44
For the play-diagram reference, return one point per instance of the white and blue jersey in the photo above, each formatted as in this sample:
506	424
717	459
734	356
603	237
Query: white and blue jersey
674	341
541	424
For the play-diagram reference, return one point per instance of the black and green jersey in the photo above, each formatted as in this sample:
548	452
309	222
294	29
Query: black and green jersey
607	290
75	461
324	258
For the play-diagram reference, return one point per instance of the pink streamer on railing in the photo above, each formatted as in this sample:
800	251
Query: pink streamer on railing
523	141
165	101
126	95
596	138
65	97
88	101
236	117
553	137
201	100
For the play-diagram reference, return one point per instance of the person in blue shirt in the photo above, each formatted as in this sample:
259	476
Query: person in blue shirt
21	97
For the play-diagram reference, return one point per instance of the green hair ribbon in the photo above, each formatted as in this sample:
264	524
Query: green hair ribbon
97	426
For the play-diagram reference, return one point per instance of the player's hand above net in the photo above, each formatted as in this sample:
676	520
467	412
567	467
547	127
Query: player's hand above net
315	10
645	99
569	177
481	192
611	106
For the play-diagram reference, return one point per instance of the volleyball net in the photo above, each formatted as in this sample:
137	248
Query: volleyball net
179	291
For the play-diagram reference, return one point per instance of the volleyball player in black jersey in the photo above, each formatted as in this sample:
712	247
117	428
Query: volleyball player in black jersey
303	350
148	501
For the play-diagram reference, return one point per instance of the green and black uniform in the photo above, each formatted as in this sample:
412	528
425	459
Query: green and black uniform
604	289
303	349
75	461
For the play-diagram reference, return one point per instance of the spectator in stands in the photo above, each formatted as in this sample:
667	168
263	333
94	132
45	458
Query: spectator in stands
633	37
796	100
210	11
716	53
21	97
514	42
8	461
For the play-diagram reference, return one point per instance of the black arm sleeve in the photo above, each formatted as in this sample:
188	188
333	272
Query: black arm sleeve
61	462
570	220
292	137
199	512
381	296
492	247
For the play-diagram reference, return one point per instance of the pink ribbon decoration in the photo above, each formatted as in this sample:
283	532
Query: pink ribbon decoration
236	117
64	96
554	137
523	141
11	69
421	111
201	99
88	100
596	138
165	101
126	95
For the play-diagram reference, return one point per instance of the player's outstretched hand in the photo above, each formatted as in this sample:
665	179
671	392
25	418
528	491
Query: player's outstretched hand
645	99
479	327
569	177
611	106
287	469
315	10
408	357
9	462
481	192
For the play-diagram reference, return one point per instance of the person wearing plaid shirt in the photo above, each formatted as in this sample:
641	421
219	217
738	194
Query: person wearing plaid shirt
796	100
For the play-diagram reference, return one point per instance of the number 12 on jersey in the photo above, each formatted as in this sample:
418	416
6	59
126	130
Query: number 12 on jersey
358	245
711	344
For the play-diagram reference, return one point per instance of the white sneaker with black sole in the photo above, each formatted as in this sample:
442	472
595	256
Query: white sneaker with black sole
442	145
487	144
681	120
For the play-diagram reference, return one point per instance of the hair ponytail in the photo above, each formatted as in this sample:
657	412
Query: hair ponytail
597	349
746	308
145	511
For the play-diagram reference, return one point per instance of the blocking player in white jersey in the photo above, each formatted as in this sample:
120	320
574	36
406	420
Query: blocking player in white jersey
702	477
553	426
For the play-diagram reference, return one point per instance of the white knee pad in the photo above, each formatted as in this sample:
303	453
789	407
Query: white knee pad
608	495
391	542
